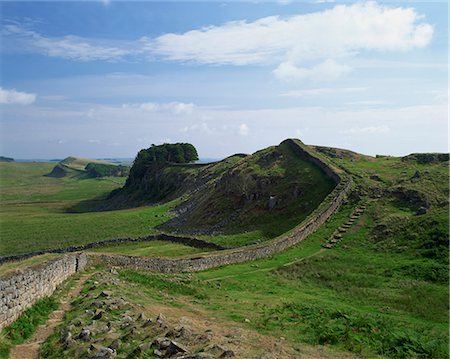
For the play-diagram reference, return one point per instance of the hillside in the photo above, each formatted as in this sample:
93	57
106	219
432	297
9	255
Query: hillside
371	282
240	193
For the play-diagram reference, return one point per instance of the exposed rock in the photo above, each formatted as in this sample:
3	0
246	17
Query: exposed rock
100	352
98	314
416	175
227	354
85	334
115	344
272	202
105	293
421	211
142	317
375	178
162	342
147	323
67	339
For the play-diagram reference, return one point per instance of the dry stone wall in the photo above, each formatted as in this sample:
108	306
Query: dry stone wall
20	289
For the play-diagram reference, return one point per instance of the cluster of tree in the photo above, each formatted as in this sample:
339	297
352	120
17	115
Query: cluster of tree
6	159
105	170
159	156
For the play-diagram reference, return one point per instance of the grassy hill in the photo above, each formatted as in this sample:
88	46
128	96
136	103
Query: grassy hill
79	163
267	193
84	167
381	291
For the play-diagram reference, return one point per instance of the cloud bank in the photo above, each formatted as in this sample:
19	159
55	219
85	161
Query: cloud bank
301	47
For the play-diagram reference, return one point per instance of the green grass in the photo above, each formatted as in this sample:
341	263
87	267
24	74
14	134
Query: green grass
149	249
355	297
34	211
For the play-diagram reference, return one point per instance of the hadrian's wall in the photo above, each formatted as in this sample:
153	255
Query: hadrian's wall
331	203
20	289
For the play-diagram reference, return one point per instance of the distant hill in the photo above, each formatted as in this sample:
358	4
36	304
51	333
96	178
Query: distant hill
87	167
6	159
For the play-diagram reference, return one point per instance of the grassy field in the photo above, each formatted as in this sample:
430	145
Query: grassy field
149	249
34	210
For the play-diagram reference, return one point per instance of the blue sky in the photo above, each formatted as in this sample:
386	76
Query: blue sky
107	78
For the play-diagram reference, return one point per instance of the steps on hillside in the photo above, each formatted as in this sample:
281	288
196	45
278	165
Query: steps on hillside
338	233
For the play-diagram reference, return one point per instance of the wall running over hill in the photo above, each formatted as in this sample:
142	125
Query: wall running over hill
20	289
331	203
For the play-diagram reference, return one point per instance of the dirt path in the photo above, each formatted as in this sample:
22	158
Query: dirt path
30	349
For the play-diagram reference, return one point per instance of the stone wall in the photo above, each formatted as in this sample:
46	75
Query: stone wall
21	288
188	241
331	203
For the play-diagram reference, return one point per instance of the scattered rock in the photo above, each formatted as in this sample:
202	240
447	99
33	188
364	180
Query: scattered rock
85	334
98	314
66	339
115	344
416	175
100	352
142	317
147	323
105	293
376	178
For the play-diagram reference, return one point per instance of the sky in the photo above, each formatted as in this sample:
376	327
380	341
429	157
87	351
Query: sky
107	78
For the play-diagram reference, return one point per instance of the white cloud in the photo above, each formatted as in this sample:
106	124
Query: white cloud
300	38
177	108
327	70
67	47
16	97
313	46
243	129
